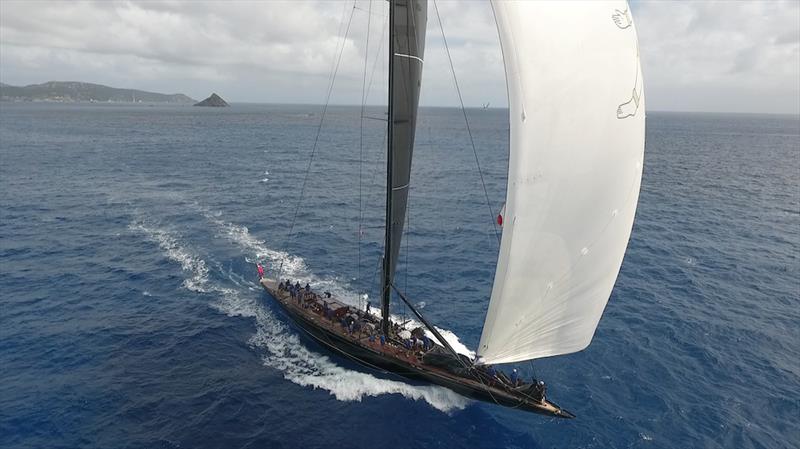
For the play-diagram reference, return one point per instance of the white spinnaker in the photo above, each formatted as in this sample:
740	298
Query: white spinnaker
577	118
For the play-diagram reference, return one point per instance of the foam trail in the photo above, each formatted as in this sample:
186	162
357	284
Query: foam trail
189	262
295	268
282	348
286	353
292	266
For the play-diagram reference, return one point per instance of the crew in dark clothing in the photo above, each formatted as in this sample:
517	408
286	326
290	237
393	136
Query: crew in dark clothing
308	288
492	373
540	389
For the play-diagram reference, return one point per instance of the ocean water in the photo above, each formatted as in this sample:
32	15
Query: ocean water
130	316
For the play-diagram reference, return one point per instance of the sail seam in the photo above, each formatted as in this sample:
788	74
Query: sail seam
410	57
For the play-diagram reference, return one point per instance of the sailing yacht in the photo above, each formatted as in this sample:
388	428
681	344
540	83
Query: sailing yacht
576	116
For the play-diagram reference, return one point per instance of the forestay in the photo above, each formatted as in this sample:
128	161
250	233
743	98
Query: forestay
576	107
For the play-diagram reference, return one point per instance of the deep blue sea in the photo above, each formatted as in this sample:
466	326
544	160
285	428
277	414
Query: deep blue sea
130	316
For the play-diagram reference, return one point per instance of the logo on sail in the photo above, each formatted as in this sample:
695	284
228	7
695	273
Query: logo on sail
622	19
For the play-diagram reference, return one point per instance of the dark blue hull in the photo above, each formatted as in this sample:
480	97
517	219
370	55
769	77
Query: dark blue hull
346	346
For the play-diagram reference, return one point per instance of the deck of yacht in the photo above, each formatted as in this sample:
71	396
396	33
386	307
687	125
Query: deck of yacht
365	331
333	316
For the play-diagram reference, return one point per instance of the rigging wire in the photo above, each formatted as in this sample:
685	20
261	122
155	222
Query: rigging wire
407	231
372	286
376	165
365	92
469	130
408	235
361	156
466	121
377	55
369	11
319	131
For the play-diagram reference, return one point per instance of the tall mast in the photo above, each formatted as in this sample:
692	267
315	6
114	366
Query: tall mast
386	279
407	20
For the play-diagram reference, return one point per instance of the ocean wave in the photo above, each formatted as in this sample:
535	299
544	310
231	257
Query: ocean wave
285	352
295	268
283	349
189	262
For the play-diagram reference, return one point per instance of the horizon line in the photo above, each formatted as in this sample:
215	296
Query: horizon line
796	113
355	105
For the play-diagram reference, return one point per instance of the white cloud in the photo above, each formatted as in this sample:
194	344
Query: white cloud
730	56
737	55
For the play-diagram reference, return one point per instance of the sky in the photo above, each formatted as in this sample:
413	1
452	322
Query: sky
719	56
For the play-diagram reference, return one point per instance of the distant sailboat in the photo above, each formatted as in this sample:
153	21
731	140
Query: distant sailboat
576	114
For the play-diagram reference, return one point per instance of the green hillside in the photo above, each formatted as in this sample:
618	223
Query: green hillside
71	91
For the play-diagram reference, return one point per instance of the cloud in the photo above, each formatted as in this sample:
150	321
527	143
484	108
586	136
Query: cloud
216	42
192	33
730	56
737	56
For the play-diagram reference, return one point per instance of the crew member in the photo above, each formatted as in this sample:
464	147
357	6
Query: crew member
541	389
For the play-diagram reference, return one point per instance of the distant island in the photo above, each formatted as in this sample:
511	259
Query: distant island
72	92
214	101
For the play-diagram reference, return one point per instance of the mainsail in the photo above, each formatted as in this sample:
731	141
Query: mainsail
576	108
407	48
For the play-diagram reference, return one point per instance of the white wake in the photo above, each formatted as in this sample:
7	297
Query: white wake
295	268
282	348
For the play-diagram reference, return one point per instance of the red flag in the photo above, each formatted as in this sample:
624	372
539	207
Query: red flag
500	215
